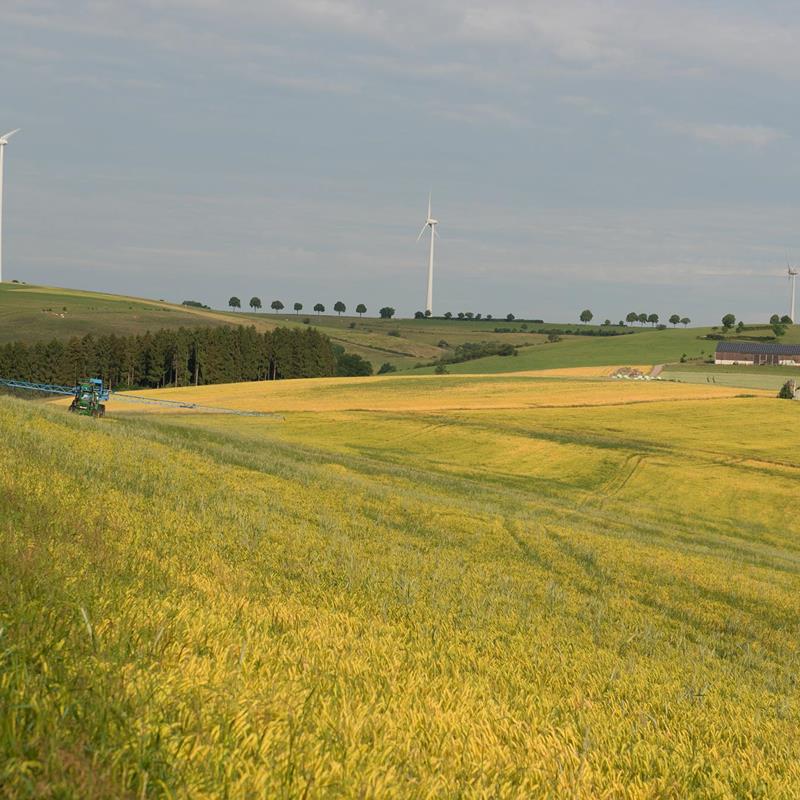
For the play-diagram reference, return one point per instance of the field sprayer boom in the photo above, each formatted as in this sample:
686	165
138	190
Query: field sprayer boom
88	395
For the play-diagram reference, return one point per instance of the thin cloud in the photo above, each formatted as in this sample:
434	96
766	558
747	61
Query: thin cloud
585	104
652	37
755	136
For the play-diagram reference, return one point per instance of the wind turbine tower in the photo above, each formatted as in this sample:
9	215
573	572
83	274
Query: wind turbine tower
3	142
792	278
431	223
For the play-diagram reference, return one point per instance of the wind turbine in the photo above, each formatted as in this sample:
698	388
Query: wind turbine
3	142
431	223
792	279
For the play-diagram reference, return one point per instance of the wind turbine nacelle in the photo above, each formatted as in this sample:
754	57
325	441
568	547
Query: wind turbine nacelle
433	222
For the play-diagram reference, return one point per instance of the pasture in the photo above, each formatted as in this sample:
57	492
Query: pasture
747	377
494	586
40	313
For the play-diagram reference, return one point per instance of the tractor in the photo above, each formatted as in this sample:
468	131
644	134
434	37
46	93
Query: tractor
88	396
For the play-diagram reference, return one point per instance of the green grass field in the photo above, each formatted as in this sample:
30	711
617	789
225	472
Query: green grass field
409	587
36	313
764	377
644	347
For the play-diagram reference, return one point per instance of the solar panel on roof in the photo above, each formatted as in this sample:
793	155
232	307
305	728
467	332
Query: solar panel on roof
759	348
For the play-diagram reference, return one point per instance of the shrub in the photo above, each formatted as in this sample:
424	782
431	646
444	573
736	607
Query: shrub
472	350
351	364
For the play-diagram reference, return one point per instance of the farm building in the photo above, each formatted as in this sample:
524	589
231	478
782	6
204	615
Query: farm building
757	353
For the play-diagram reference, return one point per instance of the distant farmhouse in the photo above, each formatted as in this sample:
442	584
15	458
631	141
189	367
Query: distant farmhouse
756	353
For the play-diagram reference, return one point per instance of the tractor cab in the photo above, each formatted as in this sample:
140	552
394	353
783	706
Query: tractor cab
89	398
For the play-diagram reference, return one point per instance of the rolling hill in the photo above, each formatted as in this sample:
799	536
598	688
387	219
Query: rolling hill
35	313
38	313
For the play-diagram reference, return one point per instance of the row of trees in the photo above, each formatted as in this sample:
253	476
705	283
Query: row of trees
174	357
643	319
277	305
635	317
387	312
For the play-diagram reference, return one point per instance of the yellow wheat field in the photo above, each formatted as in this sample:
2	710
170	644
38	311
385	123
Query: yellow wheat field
422	393
583	372
577	589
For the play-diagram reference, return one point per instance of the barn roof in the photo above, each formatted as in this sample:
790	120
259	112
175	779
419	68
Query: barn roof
759	348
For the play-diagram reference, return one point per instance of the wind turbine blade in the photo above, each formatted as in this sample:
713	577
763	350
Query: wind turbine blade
422	231
429	205
10	133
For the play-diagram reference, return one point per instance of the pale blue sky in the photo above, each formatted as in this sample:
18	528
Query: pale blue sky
618	155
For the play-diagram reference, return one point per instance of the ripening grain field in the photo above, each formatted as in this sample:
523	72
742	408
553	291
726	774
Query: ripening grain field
408	587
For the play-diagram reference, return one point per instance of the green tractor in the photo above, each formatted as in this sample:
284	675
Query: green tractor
89	398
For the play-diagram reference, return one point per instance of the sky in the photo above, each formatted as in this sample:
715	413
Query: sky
628	155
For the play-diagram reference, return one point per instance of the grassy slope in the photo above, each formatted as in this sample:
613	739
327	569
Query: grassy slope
645	347
524	602
35	313
406	342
